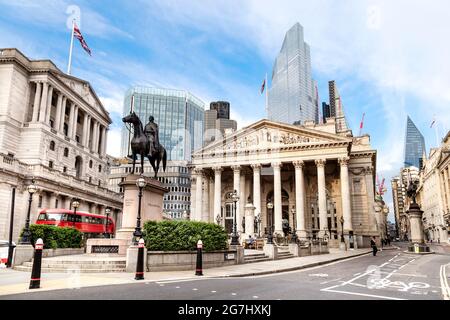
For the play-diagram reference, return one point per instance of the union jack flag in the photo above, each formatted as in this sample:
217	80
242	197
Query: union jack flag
77	34
263	86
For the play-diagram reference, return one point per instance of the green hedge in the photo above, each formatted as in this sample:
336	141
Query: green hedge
175	235
56	237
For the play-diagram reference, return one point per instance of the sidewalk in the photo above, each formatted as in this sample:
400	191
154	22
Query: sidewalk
14	282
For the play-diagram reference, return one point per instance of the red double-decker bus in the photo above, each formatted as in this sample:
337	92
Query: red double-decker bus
90	224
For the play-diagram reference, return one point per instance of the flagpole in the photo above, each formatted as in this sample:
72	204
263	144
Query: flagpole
267	96
71	47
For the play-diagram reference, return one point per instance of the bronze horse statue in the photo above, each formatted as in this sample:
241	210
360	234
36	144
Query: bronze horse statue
140	144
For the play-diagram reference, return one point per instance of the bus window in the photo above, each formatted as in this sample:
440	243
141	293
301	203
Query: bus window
54	216
42	216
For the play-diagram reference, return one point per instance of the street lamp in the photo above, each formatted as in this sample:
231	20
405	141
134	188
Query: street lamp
185	215
270	235
235	236
294	231
108	211
218	219
26	233
140	183
258	223
75	205
342	228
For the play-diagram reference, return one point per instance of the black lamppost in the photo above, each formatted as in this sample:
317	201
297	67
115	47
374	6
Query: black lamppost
294	231
75	205
26	233
342	228
235	236
108	211
270	234
140	183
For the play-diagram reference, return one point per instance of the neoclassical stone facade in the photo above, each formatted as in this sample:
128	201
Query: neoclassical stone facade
309	172
53	128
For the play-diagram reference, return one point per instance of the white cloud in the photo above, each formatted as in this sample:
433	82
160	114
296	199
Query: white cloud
114	141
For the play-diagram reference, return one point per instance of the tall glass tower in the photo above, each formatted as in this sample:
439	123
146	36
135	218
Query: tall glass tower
179	116
293	94
414	145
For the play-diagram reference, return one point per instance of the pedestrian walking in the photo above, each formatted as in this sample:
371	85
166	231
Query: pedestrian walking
373	244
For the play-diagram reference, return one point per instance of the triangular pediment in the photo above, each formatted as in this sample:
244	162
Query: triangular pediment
84	90
266	134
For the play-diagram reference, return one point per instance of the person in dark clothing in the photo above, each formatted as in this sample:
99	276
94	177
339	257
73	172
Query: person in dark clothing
373	244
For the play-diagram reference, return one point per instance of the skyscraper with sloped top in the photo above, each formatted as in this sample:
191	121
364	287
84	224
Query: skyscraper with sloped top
414	145
293	96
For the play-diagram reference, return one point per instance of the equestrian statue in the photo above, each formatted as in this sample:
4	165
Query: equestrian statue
145	142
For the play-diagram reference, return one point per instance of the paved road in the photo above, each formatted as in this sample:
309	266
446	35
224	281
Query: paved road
392	275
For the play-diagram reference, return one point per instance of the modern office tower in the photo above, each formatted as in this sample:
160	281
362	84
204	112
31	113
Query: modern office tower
179	116
414	145
326	111
337	108
217	120
291	97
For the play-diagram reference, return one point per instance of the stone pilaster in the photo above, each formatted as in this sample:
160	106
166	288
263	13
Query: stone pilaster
58	111
37	101
300	199
43	104
323	221
277	197
345	195
217	191
49	105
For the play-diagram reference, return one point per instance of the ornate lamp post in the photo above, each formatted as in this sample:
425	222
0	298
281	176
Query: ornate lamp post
270	234
75	205
108	211
294	231
258	223
342	228
218	219
140	183
26	233
235	236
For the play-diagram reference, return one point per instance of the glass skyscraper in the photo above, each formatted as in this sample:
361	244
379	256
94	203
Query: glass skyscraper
293	96
414	145
179	116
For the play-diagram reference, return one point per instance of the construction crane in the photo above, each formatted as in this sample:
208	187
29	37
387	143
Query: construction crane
381	189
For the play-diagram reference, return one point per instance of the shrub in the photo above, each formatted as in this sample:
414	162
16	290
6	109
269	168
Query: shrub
56	237
173	235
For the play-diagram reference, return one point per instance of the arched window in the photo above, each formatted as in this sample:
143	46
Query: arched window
66	152
52	145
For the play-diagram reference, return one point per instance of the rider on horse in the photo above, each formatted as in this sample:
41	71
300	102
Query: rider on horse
152	133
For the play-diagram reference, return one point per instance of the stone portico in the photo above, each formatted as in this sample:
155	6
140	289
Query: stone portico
308	171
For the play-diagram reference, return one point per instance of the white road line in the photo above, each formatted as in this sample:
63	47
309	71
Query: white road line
194	289
213	291
444	282
233	294
255	297
363	294
177	287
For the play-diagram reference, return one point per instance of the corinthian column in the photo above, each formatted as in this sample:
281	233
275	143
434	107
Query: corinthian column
217	191
300	199
49	105
70	124
277	197
58	112
43	104
198	195
63	115
345	192
36	104
257	188
323	221
75	122
237	187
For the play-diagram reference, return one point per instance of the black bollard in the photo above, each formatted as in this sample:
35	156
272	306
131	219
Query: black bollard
199	267
140	261
35	281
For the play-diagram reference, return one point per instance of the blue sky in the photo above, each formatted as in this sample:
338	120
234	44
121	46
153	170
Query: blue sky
389	58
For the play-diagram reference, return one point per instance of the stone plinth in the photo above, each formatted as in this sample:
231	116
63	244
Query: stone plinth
132	256
239	253
271	250
294	249
151	206
22	253
415	219
99	245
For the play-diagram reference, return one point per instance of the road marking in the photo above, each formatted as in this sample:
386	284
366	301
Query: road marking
233	294
161	285
444	282
213	291
362	294
195	289
177	287
325	282
322	275
255	297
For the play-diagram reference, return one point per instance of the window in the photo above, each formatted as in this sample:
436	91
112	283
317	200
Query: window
40	202
66	129
50	164
66	152
64	169
52	145
90	164
99	168
90	179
